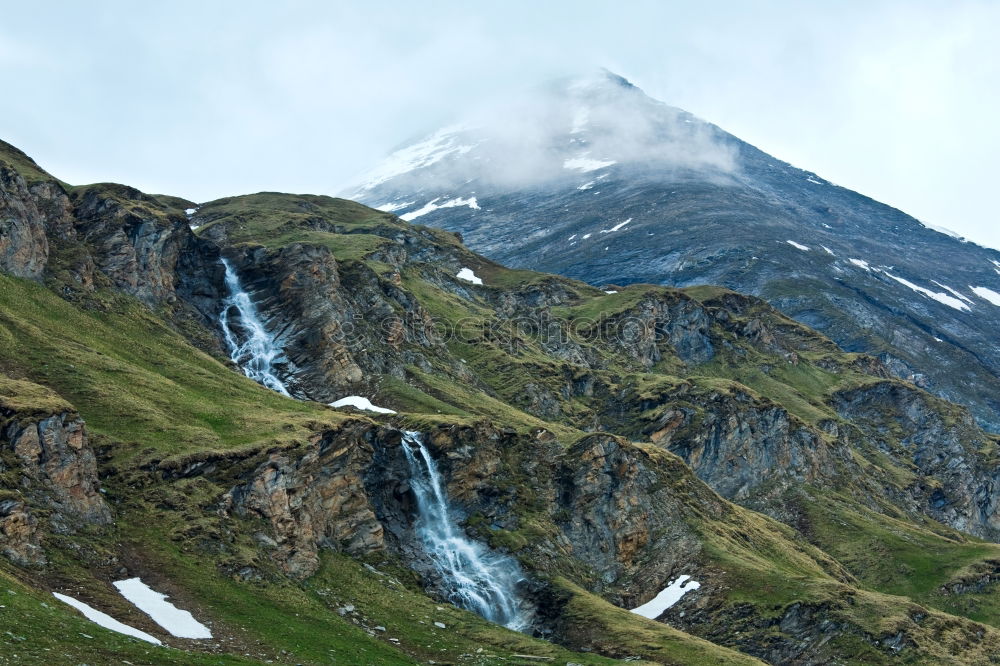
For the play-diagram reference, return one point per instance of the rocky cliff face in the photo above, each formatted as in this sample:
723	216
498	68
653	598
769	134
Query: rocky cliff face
24	247
300	289
21	535
57	463
741	443
99	236
136	242
311	499
937	442
49	475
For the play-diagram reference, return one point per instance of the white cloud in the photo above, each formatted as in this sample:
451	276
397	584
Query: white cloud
876	96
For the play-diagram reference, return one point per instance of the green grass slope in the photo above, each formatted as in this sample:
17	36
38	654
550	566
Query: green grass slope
148	395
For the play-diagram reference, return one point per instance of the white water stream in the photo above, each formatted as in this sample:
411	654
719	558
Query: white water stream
476	578
251	347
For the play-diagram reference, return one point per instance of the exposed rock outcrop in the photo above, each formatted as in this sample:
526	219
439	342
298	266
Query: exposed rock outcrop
57	468
48	471
313	497
136	242
338	339
957	480
741	443
659	319
24	246
20	538
103	235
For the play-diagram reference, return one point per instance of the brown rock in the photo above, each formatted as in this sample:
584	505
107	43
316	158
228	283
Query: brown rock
19	537
313	497
58	468
24	247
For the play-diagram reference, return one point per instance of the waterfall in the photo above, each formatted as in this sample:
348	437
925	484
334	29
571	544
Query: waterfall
256	353
475	577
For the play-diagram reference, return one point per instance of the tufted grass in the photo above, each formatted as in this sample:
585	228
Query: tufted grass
136	381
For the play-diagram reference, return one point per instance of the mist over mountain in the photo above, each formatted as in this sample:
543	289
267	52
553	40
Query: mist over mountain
566	127
592	179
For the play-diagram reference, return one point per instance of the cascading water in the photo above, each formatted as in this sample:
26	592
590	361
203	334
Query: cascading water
475	578
256	353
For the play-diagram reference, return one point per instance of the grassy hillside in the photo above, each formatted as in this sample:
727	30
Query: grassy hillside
147	395
511	379
135	380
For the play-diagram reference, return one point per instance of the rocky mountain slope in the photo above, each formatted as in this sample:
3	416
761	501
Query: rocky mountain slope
594	180
610	442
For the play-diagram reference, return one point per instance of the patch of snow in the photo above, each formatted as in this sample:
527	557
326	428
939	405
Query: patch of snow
828	250
586	236
424	153
798	245
571	237
943	230
586	164
195	227
667	597
616	227
105	620
433	205
861	263
177	622
610	291
814	181
392	207
940	297
987	294
936	339
358	402
587	185
827	226
467	275
190	211
954	292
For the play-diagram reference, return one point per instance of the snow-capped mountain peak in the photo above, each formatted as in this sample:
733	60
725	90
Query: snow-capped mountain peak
535	183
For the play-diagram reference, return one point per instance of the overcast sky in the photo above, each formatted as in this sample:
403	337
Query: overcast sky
898	100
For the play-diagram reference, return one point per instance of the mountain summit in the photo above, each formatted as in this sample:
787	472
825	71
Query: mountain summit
568	128
593	179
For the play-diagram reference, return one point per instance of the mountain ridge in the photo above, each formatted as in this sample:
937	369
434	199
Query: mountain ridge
703	207
609	441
